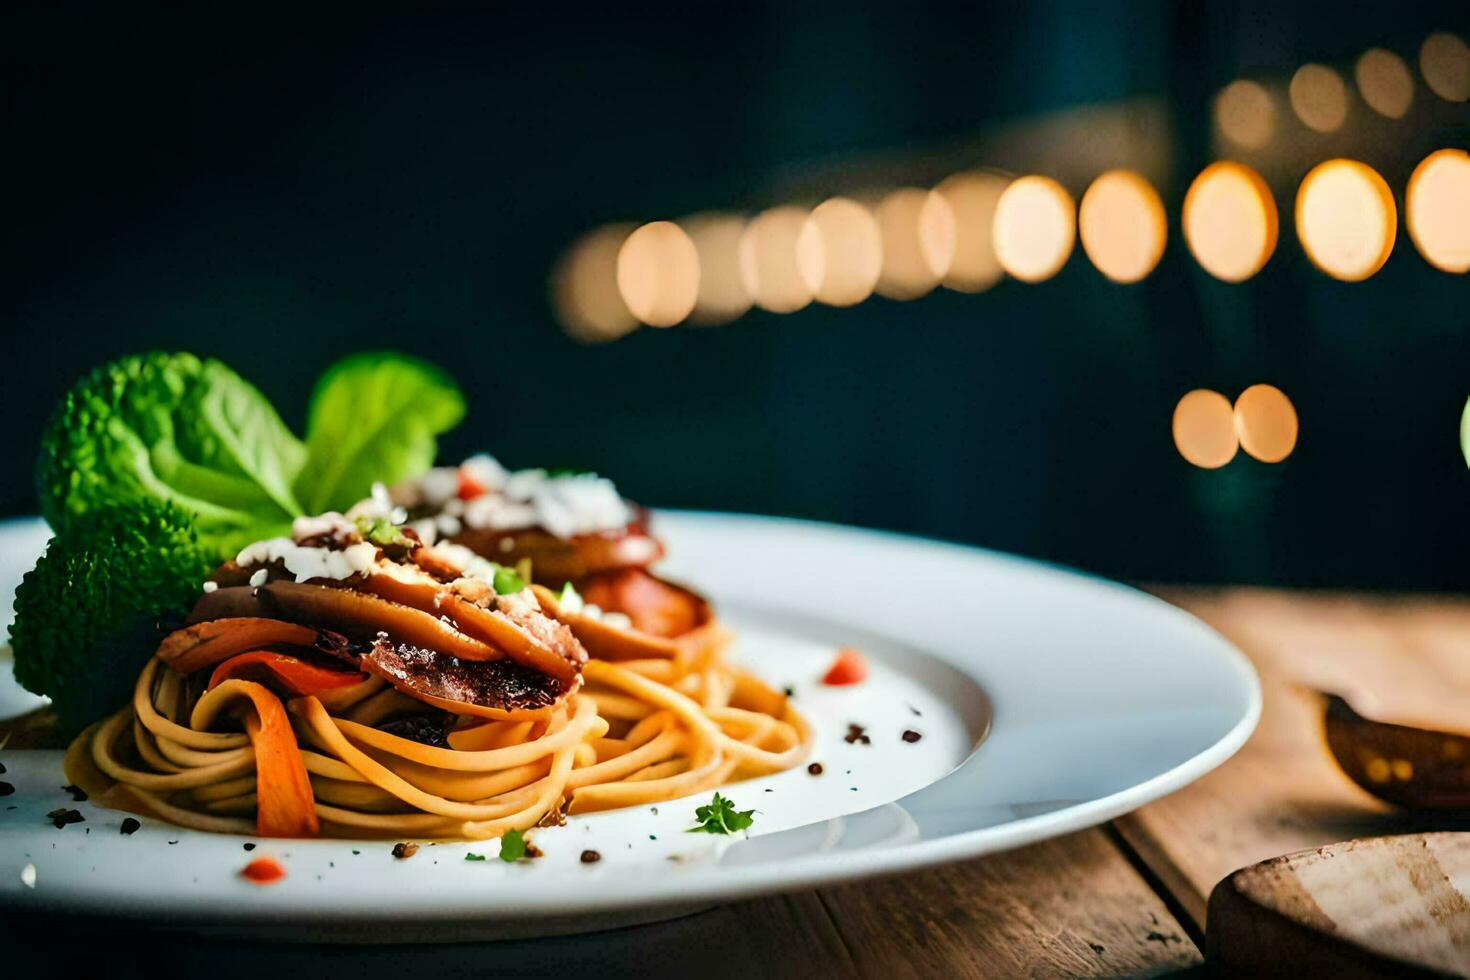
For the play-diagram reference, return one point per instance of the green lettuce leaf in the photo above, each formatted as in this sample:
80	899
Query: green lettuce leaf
181	431
373	417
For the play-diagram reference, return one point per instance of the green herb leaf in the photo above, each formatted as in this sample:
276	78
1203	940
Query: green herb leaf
512	846
569	595
174	429
507	582
381	532
470	856
721	817
373	417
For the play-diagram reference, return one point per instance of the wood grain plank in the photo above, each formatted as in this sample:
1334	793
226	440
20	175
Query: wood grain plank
1282	792
1066	907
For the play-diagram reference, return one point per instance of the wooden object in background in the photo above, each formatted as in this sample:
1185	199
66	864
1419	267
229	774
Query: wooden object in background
1389	906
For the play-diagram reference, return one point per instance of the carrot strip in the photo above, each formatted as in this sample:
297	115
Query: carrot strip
284	803
287	674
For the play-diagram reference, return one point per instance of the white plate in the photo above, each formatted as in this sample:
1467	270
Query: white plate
1103	699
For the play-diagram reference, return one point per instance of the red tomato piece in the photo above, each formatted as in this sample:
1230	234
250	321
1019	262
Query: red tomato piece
850	667
263	871
469	487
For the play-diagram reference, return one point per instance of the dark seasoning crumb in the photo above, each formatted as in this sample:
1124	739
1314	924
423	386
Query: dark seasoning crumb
857	735
249	846
6	789
61	816
129	826
404	850
911	736
78	795
591	857
815	768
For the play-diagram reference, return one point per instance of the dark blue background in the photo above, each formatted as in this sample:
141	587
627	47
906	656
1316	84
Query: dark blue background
276	189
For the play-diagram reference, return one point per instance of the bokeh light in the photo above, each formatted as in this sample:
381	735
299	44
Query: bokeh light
839	253
1204	429
1245	114
1266	423
917	229
1346	219
1319	97
1035	228
658	273
1230	221
1437	209
1444	61
716	237
972	196
1385	82
1122	225
768	263
584	286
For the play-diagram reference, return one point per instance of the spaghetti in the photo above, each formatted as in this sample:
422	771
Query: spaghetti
355	684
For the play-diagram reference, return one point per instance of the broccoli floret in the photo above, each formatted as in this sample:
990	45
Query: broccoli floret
88	616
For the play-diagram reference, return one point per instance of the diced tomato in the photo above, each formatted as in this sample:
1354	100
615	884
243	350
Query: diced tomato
469	487
850	667
263	871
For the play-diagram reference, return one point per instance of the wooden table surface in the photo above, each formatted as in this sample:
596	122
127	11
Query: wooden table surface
1126	899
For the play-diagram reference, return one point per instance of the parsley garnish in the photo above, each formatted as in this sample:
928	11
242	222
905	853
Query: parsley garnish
569	595
471	856
721	817
507	582
512	845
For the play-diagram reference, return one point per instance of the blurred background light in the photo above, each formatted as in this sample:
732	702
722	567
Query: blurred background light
1346	219
839	253
768	260
1245	114
584	286
917	229
972	197
1122	225
1385	82
1444	61
1319	97
1035	228
1204	429
1230	221
658	274
1437	209
716	237
1266	423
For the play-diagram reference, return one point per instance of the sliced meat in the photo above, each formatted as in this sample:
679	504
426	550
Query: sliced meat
206	644
357	615
656	607
489	688
520	630
555	561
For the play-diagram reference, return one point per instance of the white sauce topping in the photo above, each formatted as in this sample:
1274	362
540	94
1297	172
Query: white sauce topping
329	524
571	602
210	587
566	506
259	578
306	563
